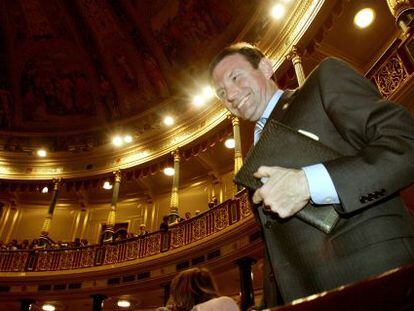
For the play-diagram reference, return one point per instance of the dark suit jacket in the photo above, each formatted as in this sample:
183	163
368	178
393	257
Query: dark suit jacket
375	232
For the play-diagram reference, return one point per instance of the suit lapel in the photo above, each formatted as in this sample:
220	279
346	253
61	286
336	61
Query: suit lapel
282	106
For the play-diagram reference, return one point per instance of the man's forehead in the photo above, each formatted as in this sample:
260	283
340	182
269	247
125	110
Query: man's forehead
228	64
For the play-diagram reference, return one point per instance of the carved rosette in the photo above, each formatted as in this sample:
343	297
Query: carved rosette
153	245
221	218
390	75
132	250
19	261
111	254
177	237
245	210
43	261
199	229
65	260
87	257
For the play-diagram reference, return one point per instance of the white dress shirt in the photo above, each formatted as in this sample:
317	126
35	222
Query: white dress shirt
321	187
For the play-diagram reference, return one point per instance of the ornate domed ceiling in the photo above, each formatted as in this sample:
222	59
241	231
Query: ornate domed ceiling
73	73
70	70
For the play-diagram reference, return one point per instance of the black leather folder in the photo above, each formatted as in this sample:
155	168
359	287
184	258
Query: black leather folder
280	145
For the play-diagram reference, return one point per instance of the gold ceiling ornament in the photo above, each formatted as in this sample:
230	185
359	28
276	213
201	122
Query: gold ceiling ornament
403	11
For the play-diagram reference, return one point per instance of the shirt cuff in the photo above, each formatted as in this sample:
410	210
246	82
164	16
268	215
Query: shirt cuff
321	187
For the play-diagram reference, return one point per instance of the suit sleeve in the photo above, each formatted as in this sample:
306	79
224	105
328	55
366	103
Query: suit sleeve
381	132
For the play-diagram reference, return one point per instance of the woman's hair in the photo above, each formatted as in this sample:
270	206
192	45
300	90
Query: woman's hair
192	287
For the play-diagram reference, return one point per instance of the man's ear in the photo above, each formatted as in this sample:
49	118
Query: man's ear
265	66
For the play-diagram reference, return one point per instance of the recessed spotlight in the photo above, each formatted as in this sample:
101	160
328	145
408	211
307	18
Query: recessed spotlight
230	143
208	92
128	139
278	11
198	101
45	189
107	185
168	120
42	153
48	307
169	171
117	141
123	303
364	18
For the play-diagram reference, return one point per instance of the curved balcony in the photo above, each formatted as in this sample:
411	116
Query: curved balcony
223	217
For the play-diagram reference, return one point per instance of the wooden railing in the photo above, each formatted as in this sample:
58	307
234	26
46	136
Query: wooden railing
225	215
395	67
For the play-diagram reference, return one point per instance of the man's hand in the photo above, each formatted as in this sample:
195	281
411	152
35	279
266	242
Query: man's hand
285	192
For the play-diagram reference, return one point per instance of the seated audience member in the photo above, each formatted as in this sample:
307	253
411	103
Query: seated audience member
213	202
195	290
13	245
197	212
77	242
24	244
142	230
187	216
164	225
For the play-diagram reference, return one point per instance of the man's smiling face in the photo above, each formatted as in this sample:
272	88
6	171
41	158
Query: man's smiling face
244	90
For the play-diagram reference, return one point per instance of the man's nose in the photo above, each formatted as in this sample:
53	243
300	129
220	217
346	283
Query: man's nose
232	94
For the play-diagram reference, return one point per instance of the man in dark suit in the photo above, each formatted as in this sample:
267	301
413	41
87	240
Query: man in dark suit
344	111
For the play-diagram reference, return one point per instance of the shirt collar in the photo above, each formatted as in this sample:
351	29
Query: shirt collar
272	104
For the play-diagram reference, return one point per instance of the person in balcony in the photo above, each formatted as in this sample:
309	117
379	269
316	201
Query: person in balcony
345	112
196	290
164	225
187	216
142	230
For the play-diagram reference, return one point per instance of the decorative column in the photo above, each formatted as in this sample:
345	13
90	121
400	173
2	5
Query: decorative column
26	304
294	56
403	11
81	218
44	238
238	159
97	302
110	223
4	219
246	284
85	213
173	214
148	208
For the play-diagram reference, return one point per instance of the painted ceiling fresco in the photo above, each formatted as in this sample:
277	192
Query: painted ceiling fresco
81	65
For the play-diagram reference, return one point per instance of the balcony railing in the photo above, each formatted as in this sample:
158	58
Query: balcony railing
394	68
225	215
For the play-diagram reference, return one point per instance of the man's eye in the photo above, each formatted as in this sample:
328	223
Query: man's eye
234	78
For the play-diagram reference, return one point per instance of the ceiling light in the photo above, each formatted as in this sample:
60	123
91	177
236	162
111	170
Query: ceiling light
45	190
123	303
107	185
198	101
364	18
117	141
278	11
169	171
48	307
41	153
128	139
208	92
230	143
168	120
